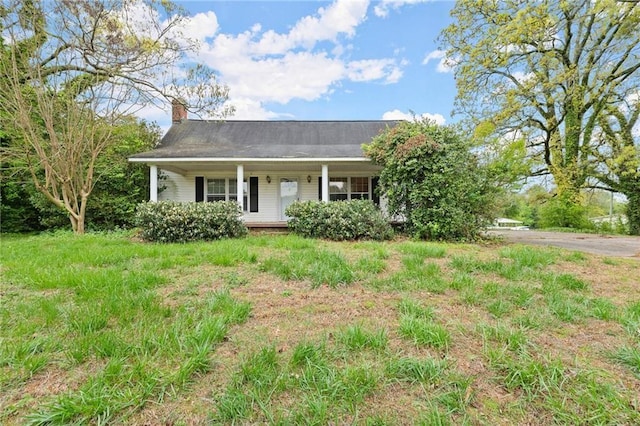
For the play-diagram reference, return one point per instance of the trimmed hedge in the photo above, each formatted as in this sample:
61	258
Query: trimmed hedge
338	220
179	222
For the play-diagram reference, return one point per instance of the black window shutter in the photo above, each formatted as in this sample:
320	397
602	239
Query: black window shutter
253	194
375	195
320	188
199	188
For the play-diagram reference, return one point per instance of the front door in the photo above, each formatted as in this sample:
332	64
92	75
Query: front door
288	194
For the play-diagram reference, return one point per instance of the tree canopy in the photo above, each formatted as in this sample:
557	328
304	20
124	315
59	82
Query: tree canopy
71	71
548	70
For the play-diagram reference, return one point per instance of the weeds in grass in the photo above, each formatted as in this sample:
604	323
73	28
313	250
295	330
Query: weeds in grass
565	308
463	281
411	308
524	372
415	275
629	356
630	318
261	370
233	406
413	370
425	332
319	266
435	417
422	250
563	282
417	324
507	338
603	309
456	395
233	280
371	265
525	256
355	338
575	257
308	353
589	395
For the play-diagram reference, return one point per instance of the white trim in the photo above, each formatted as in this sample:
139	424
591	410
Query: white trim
240	186
245	160
325	183
153	183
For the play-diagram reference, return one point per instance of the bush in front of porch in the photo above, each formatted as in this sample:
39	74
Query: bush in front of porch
339	220
180	222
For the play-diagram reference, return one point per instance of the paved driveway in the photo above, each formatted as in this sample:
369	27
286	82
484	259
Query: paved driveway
607	245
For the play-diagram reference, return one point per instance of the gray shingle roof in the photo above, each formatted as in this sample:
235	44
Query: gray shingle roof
266	139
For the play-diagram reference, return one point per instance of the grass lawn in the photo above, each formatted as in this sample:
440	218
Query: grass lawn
276	329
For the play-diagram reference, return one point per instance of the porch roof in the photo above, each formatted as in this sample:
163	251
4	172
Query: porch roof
197	140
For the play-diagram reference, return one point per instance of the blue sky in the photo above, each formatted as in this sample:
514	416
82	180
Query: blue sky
325	60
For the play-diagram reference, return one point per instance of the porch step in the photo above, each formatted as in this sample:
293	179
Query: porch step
267	225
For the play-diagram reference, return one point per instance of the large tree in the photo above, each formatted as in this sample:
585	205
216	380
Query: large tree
547	70
71	70
617	155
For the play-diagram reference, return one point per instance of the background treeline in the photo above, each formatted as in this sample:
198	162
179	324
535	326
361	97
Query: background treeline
539	208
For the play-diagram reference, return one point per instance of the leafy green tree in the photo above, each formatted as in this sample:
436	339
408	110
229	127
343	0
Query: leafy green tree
71	70
16	212
120	186
431	178
617	155
547	70
558	212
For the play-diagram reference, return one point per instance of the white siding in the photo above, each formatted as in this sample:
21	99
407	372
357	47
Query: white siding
182	188
176	187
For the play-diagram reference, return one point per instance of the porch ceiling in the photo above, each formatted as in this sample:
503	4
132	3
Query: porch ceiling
261	167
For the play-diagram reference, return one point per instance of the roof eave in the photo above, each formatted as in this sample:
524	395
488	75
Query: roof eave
245	160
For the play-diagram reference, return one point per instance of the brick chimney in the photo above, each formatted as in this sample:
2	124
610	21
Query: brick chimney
178	111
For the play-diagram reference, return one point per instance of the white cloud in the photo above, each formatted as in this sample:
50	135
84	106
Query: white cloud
250	109
396	114
267	66
382	9
374	69
301	75
445	64
202	26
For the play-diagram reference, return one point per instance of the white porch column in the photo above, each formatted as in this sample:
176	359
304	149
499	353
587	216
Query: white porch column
325	183
240	186
153	183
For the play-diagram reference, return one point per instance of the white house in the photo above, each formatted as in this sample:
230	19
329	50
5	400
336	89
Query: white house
278	162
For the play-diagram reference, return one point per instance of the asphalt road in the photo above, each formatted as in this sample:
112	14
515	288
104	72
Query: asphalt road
606	245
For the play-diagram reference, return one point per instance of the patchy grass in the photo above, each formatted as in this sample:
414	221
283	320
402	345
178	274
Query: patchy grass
285	330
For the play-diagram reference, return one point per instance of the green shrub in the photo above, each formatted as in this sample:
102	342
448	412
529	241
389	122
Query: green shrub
563	212
339	220
173	221
432	178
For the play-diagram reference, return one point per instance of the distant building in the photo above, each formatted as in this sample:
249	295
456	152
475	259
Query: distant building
505	223
616	218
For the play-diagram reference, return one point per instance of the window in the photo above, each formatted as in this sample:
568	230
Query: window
221	189
338	189
360	188
342	188
216	190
